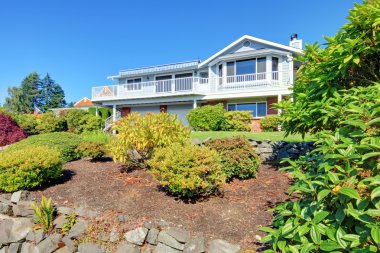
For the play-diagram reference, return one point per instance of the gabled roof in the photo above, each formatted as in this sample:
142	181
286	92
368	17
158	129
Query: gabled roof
249	37
84	102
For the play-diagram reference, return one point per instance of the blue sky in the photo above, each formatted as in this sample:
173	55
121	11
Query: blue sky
82	42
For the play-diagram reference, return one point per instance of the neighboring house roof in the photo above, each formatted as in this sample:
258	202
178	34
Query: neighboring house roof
157	69
249	37
84	102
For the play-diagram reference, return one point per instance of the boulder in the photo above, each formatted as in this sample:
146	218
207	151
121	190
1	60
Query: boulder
88	247
195	245
114	235
28	247
35	236
127	248
179	234
65	210
78	229
60	221
136	236
148	249
220	246
23	209
168	240
152	236
64	249
14	229
149	225
69	244
49	244
14	248
162	248
163	224
5	209
19	196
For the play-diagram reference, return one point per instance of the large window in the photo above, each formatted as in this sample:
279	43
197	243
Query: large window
274	68
246	70
164	83
257	109
133	84
183	82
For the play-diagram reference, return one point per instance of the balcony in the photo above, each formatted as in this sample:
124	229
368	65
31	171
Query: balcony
192	86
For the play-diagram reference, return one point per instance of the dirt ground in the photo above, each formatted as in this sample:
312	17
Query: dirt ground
100	186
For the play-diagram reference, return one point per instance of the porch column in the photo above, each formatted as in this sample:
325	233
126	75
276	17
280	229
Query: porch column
114	117
268	68
194	103
96	111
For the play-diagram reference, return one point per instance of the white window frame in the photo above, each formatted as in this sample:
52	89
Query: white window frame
258	102
133	85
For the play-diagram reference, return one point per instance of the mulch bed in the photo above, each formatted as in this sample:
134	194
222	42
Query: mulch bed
235	217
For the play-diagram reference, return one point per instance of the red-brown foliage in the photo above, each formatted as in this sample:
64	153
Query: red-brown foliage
10	132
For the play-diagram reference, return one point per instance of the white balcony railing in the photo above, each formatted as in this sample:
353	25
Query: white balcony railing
192	85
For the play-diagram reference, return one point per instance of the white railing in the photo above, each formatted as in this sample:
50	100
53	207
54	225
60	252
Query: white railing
192	85
109	121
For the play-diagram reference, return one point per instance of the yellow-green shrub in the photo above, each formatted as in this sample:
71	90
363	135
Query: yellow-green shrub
270	123
28	167
187	171
238	121
139	136
93	150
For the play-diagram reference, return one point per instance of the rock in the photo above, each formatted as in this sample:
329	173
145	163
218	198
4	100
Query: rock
35	236
207	139
149	225
162	248
23	209
65	210
148	249
78	229
64	249
220	246
114	235
266	150
50	244
14	229
163	224
80	211
179	234
14	248
28	247
5	209
6	196
18	196
103	236
122	217
88	247
293	151
195	245
152	236
258	238
168	240
136	236
60	221
127	248
197	142
68	243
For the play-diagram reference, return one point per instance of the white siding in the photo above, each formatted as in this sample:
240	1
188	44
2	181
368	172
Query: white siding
181	111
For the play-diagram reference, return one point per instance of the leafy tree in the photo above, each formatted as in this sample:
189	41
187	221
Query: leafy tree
70	105
52	94
351	58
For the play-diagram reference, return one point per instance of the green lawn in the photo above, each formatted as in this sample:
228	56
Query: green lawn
274	136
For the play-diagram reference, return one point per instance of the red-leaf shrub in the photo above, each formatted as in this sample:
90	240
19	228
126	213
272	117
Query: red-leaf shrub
10	132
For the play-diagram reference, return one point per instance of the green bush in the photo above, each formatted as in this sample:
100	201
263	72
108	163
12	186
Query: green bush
96	136
139	136
207	118
238	121
89	123
105	112
93	150
49	123
72	118
28	167
270	123
187	171
65	143
27	122
238	157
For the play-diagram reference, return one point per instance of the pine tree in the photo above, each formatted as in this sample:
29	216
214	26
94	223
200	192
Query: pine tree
52	94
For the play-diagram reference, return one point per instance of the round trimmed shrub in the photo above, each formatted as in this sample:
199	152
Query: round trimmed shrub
238	121
28	167
270	123
207	118
238	157
187	171
10	132
93	150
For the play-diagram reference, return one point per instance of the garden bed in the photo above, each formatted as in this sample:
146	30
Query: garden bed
100	187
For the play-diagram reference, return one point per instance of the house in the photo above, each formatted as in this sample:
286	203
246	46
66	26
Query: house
84	103
249	74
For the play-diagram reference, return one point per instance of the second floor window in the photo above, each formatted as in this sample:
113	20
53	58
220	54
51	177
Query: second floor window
246	70
133	84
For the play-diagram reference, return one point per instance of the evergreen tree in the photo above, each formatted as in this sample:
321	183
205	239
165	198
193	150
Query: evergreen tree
52	94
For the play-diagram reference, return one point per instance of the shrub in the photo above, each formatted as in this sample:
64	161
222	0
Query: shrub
65	143
28	167
49	123
187	171
105	112
27	122
94	150
10	132
238	157
238	121
44	215
139	136
72	118
207	118
89	123
270	123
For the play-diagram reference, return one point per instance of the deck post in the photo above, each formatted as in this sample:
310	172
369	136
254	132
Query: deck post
114	117
279	98
194	103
